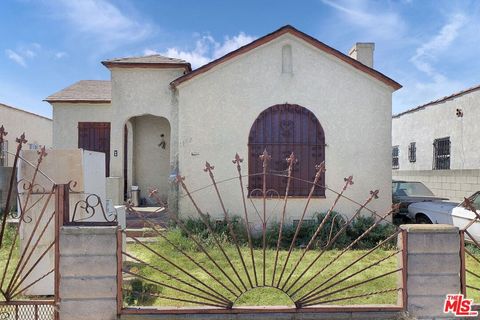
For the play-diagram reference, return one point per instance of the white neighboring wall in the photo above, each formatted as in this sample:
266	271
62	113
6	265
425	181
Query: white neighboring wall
439	120
38	129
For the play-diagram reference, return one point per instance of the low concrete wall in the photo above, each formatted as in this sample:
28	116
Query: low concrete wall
452	184
88	273
433	269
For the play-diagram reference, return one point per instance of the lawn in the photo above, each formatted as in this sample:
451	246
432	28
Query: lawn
474	266
259	296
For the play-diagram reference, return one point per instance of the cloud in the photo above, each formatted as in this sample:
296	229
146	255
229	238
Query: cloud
101	21
60	55
428	52
372	21
17	58
206	49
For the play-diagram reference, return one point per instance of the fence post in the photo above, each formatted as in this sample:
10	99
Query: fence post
62	211
433	268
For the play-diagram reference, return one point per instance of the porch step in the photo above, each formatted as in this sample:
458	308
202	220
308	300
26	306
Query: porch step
142	232
146	216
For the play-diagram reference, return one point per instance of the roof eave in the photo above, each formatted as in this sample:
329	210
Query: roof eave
112	64
309	39
76	101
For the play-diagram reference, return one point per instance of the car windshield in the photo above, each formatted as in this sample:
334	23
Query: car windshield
411	189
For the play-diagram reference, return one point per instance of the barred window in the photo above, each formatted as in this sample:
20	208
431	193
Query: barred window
4	154
441	154
281	130
395	151
412	152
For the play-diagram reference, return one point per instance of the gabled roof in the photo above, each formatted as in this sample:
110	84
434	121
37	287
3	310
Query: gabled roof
452	96
291	30
24	111
151	61
91	91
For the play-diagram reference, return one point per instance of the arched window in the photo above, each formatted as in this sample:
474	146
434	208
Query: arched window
282	129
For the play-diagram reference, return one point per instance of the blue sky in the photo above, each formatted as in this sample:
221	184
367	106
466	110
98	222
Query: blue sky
430	47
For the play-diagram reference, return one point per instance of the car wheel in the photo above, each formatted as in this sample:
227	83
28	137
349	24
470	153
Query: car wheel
422	219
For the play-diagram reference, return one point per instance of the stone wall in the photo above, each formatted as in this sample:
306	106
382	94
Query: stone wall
88	273
452	184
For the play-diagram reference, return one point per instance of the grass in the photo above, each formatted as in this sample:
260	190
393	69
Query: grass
258	296
474	266
4	253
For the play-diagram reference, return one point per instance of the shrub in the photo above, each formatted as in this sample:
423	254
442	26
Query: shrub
379	233
140	293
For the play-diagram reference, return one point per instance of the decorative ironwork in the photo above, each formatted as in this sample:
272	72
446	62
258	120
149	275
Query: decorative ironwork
217	274
86	209
470	257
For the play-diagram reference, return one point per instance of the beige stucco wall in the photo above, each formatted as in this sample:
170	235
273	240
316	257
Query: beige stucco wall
217	109
151	162
66	117
439	121
38	130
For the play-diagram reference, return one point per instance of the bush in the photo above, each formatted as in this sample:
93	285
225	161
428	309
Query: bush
329	231
140	293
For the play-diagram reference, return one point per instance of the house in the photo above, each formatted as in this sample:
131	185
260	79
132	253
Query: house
437	143
38	132
283	92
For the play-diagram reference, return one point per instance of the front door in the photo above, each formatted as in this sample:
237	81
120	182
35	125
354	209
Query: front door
95	136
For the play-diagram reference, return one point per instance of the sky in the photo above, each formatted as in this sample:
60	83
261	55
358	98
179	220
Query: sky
430	47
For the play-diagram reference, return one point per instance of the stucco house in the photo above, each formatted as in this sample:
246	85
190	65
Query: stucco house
283	92
437	143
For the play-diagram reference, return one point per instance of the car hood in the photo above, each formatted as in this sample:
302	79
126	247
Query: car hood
418	198
442	206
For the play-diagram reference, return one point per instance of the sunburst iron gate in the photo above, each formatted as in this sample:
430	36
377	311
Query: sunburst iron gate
28	240
194	271
470	255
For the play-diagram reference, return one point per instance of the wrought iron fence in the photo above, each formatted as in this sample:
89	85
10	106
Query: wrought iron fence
470	255
28	240
228	270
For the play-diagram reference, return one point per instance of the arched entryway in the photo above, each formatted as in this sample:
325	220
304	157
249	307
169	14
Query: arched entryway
281	130
147	155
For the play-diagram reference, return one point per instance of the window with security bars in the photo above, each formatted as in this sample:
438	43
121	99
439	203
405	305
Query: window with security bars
395	164
281	130
4	154
441	154
412	152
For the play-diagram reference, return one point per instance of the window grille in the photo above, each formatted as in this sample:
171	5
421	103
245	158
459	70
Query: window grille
441	154
395	164
281	130
412	152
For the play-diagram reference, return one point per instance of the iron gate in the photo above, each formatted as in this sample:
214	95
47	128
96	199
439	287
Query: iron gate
470	255
28	239
196	269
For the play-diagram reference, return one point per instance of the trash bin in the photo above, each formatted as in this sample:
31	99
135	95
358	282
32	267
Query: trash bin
135	196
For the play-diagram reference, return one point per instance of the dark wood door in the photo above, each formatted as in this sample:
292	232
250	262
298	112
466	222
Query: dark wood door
281	130
95	136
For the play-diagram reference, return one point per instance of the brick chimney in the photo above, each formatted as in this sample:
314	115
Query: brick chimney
363	52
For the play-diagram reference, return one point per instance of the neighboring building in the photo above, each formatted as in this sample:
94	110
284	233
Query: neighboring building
438	144
38	132
37	129
284	92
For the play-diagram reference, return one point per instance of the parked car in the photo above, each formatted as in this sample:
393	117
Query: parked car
408	192
449	213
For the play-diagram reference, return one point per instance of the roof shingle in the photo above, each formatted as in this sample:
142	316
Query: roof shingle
94	91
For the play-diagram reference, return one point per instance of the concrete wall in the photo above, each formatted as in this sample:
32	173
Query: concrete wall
433	268
353	109
88	273
38	129
439	121
452	184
